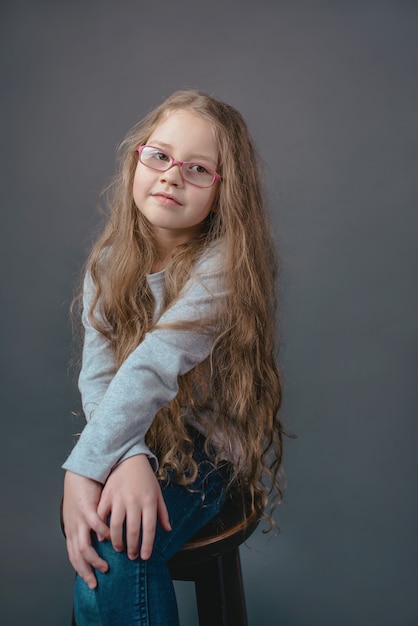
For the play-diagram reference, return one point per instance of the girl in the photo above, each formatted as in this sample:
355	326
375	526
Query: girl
179	382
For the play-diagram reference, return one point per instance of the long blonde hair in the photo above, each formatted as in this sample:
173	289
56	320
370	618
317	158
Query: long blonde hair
241	377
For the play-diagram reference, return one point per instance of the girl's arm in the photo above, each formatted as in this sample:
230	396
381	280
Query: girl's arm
82	494
98	362
115	435
147	380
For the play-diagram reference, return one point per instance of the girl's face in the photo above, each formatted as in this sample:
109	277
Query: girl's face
173	206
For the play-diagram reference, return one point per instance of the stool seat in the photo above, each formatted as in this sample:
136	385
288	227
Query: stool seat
236	521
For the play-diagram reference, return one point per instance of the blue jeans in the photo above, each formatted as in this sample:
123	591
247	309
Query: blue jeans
141	592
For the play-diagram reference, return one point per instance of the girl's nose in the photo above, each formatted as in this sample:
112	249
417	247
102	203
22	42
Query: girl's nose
173	176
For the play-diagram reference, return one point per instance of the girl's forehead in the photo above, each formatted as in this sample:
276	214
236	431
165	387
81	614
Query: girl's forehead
188	129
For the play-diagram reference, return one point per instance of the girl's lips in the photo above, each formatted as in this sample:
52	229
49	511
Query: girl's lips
166	198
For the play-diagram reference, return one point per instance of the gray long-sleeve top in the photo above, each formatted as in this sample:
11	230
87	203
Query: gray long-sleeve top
120	405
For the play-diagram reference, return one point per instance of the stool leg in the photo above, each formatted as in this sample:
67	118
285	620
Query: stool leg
220	591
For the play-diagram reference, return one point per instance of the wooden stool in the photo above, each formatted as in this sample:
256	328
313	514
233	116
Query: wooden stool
211	559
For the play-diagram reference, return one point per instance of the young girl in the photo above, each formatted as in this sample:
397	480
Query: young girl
179	382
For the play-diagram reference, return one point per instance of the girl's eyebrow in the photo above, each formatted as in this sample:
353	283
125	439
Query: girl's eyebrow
168	147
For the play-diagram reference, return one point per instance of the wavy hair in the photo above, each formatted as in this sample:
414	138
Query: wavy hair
241	378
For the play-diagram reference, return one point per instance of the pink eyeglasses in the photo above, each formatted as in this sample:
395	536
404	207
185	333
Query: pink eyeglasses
194	173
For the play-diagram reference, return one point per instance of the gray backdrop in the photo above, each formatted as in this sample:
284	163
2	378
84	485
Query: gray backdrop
329	90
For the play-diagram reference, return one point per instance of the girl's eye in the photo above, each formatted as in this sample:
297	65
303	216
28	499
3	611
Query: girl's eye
198	169
160	156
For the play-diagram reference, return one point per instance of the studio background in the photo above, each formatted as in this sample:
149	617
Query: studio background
329	90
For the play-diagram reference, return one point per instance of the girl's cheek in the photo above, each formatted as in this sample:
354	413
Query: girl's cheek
136	191
138	183
143	178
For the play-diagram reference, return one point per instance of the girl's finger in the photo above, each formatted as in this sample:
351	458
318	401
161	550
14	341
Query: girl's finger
116	528
149	522
103	509
99	526
133	527
83	559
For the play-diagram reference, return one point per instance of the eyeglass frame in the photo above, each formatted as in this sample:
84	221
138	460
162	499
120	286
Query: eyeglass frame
216	176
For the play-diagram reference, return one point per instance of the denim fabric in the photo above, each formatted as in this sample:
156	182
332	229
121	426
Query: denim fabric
141	592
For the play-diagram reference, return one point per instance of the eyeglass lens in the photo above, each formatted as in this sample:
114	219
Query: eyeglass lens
194	173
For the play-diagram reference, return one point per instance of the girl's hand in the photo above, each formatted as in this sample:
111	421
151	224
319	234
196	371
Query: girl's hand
132	494
81	496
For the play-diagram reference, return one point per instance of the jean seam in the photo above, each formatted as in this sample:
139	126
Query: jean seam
143	608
